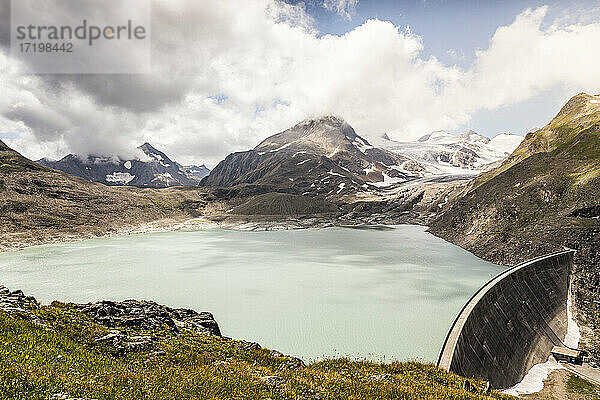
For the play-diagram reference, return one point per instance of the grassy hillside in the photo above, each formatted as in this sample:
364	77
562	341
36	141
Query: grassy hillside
37	203
545	197
58	352
582	112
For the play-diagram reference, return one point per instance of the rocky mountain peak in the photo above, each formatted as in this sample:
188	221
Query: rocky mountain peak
322	156
321	135
151	151
573	130
325	119
3	146
148	146
579	105
157	170
472	136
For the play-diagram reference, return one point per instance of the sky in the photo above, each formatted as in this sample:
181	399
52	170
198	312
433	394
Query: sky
228	73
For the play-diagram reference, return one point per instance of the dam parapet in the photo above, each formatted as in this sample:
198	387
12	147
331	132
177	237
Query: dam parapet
511	323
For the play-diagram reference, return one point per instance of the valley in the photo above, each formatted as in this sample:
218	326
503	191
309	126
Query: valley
503	199
317	173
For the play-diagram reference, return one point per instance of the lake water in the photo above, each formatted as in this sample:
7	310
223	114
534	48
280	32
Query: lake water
388	294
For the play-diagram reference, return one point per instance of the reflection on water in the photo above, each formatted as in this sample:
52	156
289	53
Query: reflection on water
383	294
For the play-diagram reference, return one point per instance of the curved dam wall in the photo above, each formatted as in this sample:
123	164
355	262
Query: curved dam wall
511	323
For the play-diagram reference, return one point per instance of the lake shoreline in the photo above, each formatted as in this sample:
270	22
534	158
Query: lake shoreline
21	240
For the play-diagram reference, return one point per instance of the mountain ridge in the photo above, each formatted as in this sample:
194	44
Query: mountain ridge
157	171
441	152
583	108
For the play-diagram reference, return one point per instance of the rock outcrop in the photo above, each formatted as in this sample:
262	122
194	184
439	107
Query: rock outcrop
150	316
140	314
16	301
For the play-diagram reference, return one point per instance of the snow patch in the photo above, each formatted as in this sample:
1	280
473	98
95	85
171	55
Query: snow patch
594	101
165	177
370	169
361	145
573	334
157	157
302	162
337	149
533	382
127	164
120	177
280	148
341	186
335	174
440	205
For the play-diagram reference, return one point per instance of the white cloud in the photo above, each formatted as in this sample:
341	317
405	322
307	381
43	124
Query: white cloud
227	74
344	8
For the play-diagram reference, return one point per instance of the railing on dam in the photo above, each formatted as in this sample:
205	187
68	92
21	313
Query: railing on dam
511	323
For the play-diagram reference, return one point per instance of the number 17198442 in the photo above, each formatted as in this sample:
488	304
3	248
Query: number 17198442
46	47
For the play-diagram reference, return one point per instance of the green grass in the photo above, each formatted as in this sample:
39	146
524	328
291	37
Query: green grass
57	354
584	388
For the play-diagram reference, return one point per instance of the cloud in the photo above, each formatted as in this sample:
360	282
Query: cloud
227	74
344	8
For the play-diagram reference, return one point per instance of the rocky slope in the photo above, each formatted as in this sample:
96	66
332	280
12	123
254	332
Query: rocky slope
443	153
39	204
321	156
142	350
545	196
151	169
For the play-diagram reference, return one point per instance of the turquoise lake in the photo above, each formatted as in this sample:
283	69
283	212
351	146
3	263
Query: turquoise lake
379	294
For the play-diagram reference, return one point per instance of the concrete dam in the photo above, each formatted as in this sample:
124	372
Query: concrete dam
511	323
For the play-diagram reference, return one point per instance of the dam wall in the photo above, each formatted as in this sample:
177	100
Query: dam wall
511	323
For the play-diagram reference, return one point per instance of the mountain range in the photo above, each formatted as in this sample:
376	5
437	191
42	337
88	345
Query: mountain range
325	156
322	156
441	152
152	168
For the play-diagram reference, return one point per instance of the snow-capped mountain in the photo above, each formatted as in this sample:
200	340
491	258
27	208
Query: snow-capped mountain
195	172
321	156
152	169
441	152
